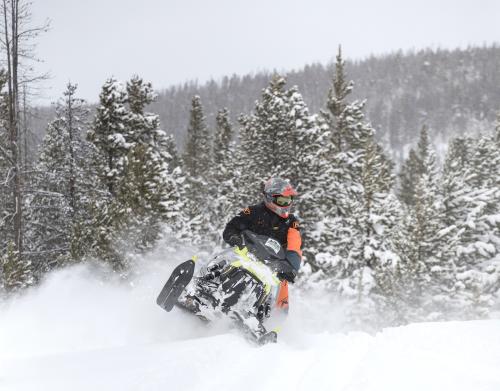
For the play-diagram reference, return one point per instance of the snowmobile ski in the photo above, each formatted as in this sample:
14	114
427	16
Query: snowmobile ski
179	279
269	337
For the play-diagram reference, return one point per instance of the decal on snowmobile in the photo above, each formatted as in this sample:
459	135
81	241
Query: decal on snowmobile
273	245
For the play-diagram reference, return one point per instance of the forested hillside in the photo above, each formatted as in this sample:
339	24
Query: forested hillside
452	91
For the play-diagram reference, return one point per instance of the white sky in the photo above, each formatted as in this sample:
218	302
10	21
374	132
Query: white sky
171	41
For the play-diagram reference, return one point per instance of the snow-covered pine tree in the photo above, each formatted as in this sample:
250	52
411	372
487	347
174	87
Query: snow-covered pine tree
427	260
299	160
48	208
265	141
337	104
109	133
413	168
304	166
377	225
358	212
222	143
56	201
17	273
273	140
198	164
425	252
455	189
478	245
197	154
175	220
148	194
408	177
342	153
461	204
224	173
144	193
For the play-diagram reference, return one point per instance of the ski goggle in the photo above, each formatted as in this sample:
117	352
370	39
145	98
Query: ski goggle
283	200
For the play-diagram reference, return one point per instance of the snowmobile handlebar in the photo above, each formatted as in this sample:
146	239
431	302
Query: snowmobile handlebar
263	247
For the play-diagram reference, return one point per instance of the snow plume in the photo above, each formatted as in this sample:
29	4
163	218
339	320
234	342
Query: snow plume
85	307
83	328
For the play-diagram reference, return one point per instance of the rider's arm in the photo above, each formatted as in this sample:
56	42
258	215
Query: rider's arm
294	244
236	225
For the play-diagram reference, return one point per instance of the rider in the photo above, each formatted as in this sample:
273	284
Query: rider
272	218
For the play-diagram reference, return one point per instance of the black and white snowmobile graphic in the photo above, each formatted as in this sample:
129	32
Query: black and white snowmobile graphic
240	283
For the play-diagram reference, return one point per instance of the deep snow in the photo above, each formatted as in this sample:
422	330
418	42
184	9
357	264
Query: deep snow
81	331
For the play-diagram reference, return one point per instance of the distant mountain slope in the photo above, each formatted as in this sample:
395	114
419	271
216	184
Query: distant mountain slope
452	91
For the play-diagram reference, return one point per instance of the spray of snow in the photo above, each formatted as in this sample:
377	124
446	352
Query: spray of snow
84	307
84	330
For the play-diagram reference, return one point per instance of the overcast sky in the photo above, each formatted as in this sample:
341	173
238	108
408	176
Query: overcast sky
171	41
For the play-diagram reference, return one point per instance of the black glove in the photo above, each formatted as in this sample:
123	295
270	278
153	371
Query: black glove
286	272
235	240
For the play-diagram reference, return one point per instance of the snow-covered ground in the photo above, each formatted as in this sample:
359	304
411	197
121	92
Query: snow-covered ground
79	331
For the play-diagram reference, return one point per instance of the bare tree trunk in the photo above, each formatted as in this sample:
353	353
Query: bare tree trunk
11	43
72	195
18	217
25	130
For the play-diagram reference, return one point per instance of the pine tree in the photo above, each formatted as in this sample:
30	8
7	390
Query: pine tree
198	163
264	145
477	251
109	133
343	152
17	273
427	238
305	167
148	193
57	202
427	261
349	130
459	218
273	139
297	162
197	155
224	173
408	177
175	193
337	104
356	221
414	167
49	211
144	187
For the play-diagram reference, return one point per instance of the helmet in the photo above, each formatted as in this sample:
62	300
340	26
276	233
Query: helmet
278	196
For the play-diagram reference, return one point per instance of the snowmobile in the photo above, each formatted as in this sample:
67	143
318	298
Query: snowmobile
241	283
